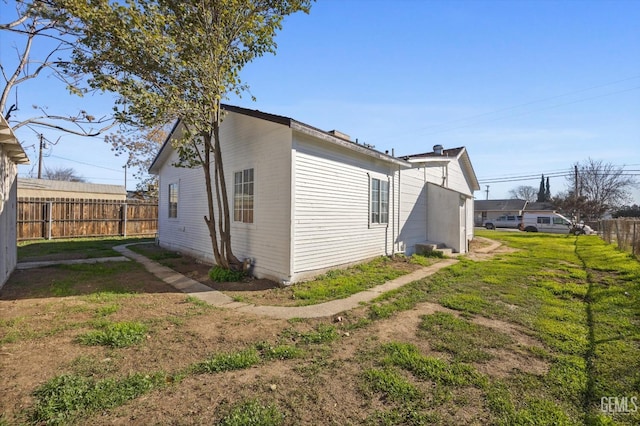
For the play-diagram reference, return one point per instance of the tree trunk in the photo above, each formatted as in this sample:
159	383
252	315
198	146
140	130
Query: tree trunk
210	221
225	228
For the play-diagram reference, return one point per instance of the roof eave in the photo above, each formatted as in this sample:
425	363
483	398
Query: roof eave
10	143
320	134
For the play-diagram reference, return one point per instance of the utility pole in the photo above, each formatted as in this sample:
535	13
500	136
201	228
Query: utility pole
125	177
40	157
487	191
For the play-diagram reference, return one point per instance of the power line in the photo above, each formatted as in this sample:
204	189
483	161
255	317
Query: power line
537	101
86	164
530	112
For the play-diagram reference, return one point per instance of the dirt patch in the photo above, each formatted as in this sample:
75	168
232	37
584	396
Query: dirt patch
38	335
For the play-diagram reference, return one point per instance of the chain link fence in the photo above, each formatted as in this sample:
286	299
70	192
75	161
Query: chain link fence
625	233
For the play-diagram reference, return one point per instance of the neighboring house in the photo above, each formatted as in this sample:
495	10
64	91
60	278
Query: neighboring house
492	209
11	154
56	189
539	207
304	200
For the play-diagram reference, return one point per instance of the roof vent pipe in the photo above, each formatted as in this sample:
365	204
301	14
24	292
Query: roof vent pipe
438	149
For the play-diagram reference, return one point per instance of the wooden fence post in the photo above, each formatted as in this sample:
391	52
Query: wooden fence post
124	220
49	219
633	240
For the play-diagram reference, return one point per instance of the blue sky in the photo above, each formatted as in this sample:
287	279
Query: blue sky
527	87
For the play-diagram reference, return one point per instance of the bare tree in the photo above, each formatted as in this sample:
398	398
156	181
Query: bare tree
524	192
62	173
600	187
36	22
140	148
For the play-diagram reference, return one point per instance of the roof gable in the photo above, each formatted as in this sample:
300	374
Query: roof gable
331	137
445	156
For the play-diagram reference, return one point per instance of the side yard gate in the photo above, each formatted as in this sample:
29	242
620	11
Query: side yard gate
41	218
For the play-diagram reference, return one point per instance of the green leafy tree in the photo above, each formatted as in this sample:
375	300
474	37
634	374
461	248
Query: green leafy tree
627	211
547	191
170	59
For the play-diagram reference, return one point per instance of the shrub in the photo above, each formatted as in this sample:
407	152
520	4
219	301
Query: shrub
222	275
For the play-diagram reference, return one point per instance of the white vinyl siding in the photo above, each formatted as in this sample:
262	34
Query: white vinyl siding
332	207
247	143
8	215
413	209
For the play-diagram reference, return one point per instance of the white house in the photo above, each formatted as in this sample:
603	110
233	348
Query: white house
11	154
305	200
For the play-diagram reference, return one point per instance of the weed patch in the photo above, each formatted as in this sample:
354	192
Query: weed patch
116	335
465	341
408	357
228	362
391	384
65	397
252	412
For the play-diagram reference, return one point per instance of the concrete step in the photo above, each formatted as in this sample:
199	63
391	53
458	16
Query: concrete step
422	248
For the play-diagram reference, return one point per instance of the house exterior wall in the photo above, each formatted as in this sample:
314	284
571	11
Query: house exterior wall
446	217
413	209
246	143
312	200
8	206
331	207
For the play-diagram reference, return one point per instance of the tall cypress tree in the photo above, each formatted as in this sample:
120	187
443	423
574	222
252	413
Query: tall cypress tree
547	192
541	191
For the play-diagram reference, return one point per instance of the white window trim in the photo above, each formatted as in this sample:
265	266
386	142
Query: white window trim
177	185
238	224
381	178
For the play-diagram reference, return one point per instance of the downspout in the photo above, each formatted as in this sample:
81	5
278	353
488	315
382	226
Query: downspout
399	192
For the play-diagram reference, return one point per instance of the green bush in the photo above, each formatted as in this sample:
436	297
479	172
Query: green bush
222	275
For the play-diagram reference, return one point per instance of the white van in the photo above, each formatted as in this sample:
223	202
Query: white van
546	222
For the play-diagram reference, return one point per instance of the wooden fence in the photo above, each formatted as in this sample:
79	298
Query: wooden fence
40	218
623	232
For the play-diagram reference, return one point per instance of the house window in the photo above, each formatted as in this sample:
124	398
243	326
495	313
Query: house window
243	196
379	201
173	200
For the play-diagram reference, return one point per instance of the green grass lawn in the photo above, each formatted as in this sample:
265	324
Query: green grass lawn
73	247
578	295
575	301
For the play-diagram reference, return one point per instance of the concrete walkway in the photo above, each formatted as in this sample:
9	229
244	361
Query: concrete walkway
219	299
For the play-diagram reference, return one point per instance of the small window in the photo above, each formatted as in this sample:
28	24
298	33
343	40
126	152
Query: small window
243	196
560	221
173	200
545	220
379	201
